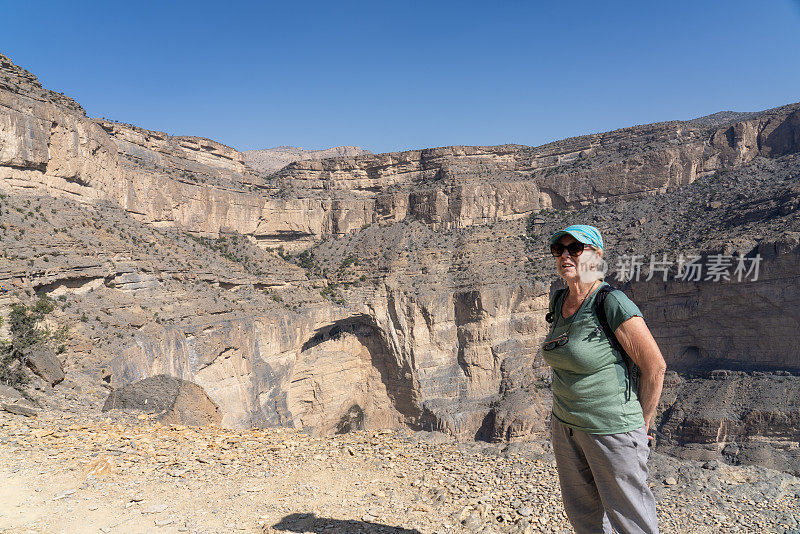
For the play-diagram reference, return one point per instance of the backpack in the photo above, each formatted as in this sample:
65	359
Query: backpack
632	371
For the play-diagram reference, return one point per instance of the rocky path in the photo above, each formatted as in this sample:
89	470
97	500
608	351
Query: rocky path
93	473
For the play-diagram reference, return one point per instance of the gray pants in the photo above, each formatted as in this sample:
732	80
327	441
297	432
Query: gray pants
603	480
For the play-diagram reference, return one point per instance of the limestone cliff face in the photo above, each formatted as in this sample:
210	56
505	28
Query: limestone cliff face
158	150
253	330
392	363
744	417
49	145
52	149
269	160
733	406
628	163
744	325
735	342
444	187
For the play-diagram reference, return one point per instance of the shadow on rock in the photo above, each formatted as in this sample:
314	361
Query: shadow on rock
312	523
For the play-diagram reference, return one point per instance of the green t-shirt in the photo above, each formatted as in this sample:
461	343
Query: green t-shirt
589	375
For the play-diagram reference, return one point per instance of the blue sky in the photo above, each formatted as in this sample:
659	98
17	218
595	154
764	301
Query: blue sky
393	76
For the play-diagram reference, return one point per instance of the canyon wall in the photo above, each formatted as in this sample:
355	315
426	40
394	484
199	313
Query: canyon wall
731	350
729	324
436	363
439	325
50	146
627	163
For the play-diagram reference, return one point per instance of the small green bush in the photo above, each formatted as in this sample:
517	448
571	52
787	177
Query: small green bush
305	260
331	294
44	305
25	333
349	260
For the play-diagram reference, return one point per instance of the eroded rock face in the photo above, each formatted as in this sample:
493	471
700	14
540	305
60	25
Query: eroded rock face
269	160
348	365
741	325
393	364
745	417
628	163
48	145
733	405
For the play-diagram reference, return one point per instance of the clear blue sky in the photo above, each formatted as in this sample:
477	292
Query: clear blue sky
399	75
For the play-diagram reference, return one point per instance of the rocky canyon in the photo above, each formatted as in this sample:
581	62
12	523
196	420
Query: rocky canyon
336	291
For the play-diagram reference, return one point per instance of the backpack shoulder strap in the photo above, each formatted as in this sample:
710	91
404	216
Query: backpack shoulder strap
550	317
600	310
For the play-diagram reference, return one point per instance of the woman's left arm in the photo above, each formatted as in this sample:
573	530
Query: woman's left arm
638	342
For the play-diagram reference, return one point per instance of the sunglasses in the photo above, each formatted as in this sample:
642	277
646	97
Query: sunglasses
575	249
557	342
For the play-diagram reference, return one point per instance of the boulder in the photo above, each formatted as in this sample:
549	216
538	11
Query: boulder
176	401
44	363
9	394
20	408
12	401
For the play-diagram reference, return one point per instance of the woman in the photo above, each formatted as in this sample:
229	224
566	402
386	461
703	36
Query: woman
600	424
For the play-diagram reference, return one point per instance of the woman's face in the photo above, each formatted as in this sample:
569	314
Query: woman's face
587	267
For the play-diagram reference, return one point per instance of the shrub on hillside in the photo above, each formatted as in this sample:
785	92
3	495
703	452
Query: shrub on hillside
26	334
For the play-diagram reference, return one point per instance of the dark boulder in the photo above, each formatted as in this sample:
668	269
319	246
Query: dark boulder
44	363
175	401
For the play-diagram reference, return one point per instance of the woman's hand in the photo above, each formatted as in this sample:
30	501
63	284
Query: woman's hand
638	342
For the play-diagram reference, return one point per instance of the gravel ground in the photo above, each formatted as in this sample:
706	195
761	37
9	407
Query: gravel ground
118	472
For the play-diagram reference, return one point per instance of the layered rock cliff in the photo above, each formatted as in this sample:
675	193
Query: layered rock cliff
269	160
747	418
199	185
256	333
